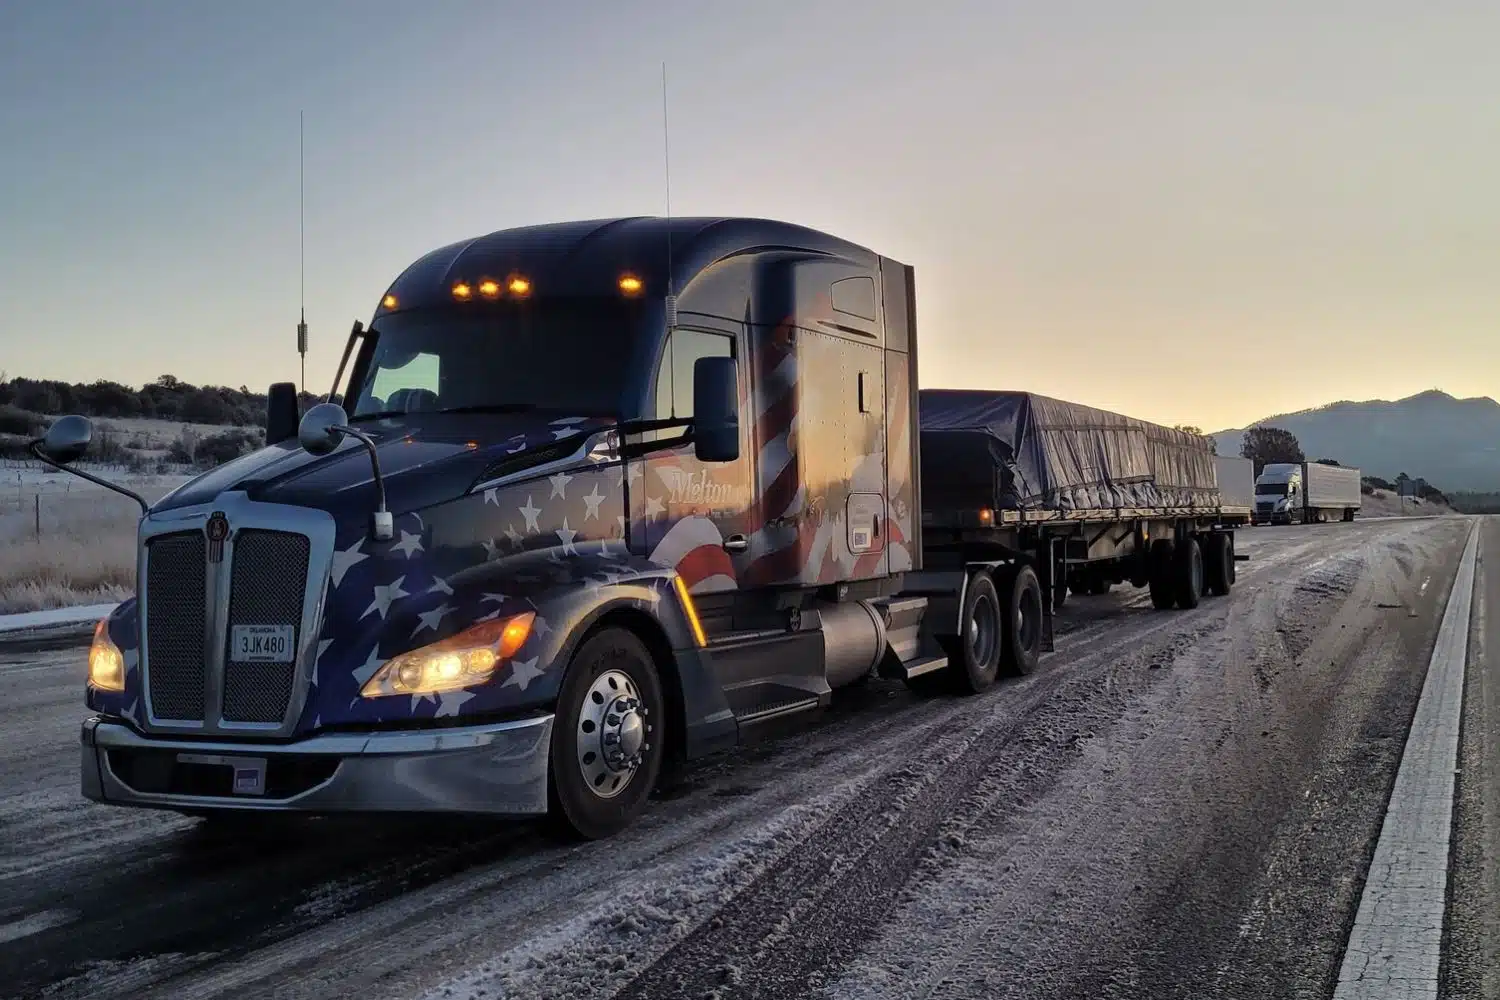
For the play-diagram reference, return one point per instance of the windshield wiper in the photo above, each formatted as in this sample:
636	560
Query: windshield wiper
489	408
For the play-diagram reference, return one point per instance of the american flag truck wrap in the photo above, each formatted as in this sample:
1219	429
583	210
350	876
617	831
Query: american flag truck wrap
587	500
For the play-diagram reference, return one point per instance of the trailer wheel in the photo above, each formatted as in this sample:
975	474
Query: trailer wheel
1189	573
982	639
1021	648
1348	513
1218	565
607	743
1160	576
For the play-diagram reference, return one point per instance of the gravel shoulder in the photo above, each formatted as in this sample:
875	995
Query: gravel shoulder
1177	804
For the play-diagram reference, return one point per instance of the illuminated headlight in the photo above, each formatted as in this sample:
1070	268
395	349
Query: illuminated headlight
461	661
106	662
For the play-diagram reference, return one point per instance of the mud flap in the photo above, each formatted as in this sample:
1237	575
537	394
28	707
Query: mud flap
1045	573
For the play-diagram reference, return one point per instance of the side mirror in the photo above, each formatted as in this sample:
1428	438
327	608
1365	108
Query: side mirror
281	412
716	410
67	439
317	433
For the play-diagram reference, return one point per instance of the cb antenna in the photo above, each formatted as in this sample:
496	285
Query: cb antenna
666	148
302	251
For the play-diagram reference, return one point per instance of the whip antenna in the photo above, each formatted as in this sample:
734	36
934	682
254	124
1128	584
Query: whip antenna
666	149
302	251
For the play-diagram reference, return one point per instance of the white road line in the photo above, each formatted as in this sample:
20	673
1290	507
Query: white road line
1396	945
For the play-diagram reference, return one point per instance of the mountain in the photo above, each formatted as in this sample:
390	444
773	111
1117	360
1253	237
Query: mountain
1452	443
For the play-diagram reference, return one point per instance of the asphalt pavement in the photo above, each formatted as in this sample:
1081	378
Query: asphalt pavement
1177	804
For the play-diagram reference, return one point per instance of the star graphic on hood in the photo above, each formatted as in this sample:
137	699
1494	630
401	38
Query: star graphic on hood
344	559
409	544
384	596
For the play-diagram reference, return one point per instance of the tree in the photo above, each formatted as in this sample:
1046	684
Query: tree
1269	445
1189	428
1327	461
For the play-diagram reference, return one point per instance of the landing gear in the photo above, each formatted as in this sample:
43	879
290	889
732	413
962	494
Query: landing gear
607	742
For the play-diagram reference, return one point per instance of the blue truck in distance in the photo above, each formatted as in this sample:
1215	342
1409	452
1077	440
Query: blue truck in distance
592	498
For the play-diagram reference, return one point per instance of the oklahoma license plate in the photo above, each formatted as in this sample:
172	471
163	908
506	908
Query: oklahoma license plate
261	643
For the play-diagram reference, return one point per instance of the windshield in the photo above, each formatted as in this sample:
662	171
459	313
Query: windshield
1270	489
566	354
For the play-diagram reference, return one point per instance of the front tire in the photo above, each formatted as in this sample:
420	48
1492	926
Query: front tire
607	739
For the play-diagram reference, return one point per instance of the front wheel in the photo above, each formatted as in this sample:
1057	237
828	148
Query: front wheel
607	738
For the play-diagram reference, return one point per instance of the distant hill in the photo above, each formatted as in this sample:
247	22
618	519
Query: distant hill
1452	443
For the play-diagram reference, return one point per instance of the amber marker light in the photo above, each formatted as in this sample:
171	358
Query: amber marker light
630	284
462	291
691	610
489	289
519	286
389	302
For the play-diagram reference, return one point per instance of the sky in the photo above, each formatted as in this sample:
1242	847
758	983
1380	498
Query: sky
1187	212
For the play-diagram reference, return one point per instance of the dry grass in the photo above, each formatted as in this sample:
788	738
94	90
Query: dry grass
86	552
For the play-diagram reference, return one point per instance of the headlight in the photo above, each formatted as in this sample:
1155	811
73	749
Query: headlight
106	662
461	661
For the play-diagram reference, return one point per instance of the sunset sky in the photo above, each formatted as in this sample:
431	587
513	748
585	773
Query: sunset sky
1189	212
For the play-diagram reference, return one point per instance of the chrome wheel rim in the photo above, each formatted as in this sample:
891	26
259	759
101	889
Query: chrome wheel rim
612	733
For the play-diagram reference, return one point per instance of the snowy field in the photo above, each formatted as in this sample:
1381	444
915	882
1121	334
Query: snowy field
65	541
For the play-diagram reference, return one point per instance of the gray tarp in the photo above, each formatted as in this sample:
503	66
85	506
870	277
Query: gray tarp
1021	451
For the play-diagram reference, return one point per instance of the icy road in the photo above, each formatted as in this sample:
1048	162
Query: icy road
1175	805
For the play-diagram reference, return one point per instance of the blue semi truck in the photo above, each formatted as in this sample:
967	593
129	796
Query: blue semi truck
592	498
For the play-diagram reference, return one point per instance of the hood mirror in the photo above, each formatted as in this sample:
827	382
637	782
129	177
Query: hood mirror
67	439
322	428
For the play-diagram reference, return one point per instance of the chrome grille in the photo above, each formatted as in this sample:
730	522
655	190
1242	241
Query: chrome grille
267	582
176	609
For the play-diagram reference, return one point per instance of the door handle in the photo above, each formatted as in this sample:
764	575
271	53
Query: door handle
736	543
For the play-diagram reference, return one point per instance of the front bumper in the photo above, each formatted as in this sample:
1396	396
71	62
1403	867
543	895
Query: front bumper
491	769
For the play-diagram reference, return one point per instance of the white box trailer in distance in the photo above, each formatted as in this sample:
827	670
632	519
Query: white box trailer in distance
1329	490
1236	480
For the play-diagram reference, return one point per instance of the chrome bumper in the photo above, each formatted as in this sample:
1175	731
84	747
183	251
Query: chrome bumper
493	769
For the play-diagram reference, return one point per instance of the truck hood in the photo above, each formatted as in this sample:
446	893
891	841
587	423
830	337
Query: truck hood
424	458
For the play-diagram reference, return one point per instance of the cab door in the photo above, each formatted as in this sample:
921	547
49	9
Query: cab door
694	515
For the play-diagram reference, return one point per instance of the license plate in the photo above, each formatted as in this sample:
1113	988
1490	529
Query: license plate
248	774
261	643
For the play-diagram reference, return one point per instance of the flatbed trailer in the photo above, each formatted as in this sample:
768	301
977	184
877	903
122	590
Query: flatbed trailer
657	482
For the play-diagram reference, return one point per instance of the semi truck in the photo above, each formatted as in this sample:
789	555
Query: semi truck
586	500
1306	493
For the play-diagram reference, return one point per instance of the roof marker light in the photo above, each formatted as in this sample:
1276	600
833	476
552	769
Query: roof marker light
489	289
462	290
519	286
630	284
389	302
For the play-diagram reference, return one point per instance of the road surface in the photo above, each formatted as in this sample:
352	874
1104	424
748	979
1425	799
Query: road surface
1176	804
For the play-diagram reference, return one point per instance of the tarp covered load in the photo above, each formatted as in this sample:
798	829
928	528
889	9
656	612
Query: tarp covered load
1022	451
